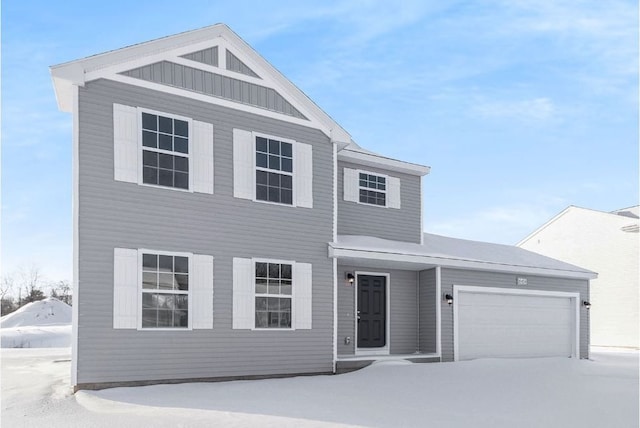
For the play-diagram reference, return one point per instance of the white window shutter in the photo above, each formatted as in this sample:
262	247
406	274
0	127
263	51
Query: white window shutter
202	157
125	288
202	291
302	286
351	180
125	143
393	192
243	293
243	164
303	175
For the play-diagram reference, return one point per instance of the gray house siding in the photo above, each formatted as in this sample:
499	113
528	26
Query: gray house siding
428	301
402	224
216	85
451	277
118	214
403	335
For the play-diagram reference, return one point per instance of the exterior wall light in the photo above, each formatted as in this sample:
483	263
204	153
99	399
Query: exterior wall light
586	304
350	278
448	298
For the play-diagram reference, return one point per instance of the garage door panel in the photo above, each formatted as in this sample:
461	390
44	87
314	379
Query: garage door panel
513	325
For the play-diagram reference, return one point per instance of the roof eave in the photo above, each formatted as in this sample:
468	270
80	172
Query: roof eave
367	159
451	262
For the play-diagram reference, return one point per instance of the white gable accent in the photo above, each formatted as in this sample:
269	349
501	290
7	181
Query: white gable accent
125	143
302	296
244	181
202	291
303	175
125	288
393	192
244	302
108	65
202	157
350	184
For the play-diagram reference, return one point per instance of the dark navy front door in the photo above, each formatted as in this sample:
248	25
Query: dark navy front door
372	311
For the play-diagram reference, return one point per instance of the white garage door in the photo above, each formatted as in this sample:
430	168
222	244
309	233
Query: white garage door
514	325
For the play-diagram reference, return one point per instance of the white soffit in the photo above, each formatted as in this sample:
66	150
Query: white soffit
378	161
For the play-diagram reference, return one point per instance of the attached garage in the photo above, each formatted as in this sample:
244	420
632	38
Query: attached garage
514	323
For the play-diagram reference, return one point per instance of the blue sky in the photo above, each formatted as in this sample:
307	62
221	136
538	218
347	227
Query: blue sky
520	107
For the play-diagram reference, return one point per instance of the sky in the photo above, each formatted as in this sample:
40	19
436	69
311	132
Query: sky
520	107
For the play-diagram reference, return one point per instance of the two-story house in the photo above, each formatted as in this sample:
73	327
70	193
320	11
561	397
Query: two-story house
226	227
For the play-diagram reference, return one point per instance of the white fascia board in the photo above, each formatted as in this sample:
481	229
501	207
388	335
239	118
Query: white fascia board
429	261
367	159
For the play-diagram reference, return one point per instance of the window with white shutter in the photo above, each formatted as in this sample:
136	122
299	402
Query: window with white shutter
371	188
161	149
272	169
162	290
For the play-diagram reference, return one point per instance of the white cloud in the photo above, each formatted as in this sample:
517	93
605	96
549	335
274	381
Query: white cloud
536	109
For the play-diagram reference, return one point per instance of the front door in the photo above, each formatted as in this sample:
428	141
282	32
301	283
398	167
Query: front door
372	311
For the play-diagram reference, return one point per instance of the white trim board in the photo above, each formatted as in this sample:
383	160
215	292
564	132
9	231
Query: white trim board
386	349
575	298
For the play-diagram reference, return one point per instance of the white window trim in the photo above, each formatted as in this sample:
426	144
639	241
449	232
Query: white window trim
294	145
575	300
293	293
189	293
386	349
189	121
386	191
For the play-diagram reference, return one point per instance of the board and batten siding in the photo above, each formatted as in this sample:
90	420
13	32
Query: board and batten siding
114	214
451	277
401	224
428	318
403	336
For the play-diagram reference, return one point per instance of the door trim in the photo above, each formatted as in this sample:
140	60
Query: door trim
384	350
575	298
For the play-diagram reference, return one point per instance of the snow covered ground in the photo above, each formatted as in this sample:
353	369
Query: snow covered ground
551	392
42	324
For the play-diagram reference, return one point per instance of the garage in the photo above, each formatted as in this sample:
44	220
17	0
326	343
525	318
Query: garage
514	323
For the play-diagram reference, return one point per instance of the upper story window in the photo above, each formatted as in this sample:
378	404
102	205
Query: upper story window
373	189
165	291
165	151
273	295
274	171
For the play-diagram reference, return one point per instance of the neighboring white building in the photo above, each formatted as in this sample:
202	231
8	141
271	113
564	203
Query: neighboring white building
606	243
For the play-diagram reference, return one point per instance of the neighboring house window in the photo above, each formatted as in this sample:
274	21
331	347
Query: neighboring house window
274	171
165	291
165	151
273	295
373	189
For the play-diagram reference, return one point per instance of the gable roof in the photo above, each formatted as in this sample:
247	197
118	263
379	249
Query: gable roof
625	212
194	51
450	252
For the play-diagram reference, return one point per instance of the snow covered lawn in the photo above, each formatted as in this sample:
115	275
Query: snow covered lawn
551	392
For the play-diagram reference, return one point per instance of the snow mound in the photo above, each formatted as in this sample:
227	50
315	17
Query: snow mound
46	336
47	312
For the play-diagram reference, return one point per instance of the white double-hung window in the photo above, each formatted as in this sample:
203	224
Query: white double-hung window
272	169
156	289
160	149
371	188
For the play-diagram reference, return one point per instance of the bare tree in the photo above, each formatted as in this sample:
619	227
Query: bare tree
31	279
61	290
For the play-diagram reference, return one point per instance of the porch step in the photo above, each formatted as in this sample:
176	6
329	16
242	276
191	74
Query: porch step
351	364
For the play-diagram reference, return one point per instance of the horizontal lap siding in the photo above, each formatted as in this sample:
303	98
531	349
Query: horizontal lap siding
402	224
451	277
428	302
403	310
118	214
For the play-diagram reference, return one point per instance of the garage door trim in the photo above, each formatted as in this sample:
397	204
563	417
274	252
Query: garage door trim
575	300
